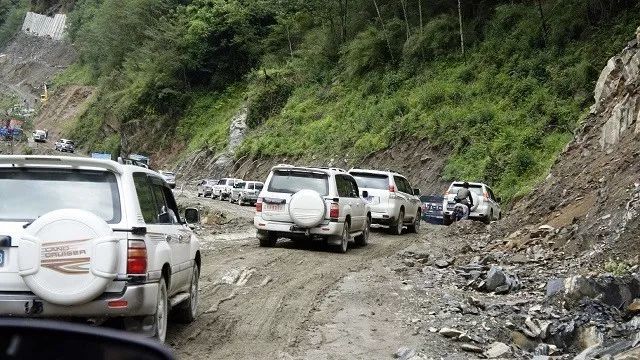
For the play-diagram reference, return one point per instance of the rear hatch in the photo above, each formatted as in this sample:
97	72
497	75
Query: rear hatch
450	196
377	186
28	193
283	184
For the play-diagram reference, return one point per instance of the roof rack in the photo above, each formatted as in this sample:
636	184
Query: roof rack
25	160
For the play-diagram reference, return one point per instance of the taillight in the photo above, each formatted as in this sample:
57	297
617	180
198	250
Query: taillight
259	205
392	188
486	196
137	258
334	211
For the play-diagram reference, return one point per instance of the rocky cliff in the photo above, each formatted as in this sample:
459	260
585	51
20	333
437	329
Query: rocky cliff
592	194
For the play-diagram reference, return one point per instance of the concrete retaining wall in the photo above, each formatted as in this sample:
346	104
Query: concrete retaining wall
41	25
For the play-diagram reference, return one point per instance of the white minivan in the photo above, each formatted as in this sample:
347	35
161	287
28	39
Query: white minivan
392	200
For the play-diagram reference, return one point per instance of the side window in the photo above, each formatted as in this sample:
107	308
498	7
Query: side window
491	195
355	192
251	187
401	184
409	187
174	213
162	210
343	186
145	197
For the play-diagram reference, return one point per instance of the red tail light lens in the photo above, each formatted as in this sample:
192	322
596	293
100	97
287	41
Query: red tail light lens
137	258
486	196
259	205
392	188
334	211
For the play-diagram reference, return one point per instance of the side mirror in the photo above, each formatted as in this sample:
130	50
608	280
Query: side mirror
25	339
499	200
416	192
365	194
192	216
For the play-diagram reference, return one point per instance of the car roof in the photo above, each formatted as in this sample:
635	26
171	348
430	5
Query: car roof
73	162
476	184
377	172
327	170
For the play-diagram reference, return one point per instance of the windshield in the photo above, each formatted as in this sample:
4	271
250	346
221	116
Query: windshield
285	181
29	193
371	181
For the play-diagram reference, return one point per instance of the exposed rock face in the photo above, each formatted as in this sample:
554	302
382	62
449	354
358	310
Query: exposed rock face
591	193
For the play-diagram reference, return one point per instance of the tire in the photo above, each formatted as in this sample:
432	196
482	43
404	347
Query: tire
187	311
396	226
446	220
363	240
162	312
344	240
489	218
415	227
268	241
199	194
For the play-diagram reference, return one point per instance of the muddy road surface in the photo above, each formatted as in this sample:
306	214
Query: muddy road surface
269	303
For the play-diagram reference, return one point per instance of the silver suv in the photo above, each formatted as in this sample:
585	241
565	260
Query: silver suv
312	203
94	239
392	200
222	190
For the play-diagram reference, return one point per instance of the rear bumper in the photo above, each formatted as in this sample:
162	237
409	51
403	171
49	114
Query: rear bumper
382	218
283	229
141	301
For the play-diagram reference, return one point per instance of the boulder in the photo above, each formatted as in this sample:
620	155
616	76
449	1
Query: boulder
450	333
497	350
404	353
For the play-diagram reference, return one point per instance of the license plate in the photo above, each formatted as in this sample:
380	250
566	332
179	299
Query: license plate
1	258
273	207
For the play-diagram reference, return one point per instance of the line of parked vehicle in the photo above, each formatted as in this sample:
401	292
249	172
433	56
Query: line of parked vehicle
339	207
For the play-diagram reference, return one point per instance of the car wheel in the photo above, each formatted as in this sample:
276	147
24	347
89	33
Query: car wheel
199	194
396	227
344	239
415	227
269	240
446	220
362	240
162	312
500	216
489	218
187	311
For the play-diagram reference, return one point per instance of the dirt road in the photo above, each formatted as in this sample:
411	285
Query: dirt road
268	303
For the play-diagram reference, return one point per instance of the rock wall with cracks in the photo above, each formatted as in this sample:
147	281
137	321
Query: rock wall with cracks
592	193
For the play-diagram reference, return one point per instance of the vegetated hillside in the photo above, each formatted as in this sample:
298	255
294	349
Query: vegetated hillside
335	79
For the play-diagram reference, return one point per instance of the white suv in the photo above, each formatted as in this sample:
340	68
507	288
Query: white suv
301	202
222	190
393	201
245	192
95	240
486	206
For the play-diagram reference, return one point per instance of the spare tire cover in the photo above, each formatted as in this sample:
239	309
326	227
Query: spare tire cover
307	208
68	257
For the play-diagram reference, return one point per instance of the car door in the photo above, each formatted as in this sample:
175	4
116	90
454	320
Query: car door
494	203
403	195
159	222
358	205
413	201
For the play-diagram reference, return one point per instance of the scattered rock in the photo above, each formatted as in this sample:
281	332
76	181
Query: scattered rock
471	348
404	353
450	333
443	263
497	350
634	306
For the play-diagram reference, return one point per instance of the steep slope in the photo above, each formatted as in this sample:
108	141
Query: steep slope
592	194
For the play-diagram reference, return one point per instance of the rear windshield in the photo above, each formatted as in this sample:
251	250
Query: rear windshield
371	181
285	181
30	193
476	189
